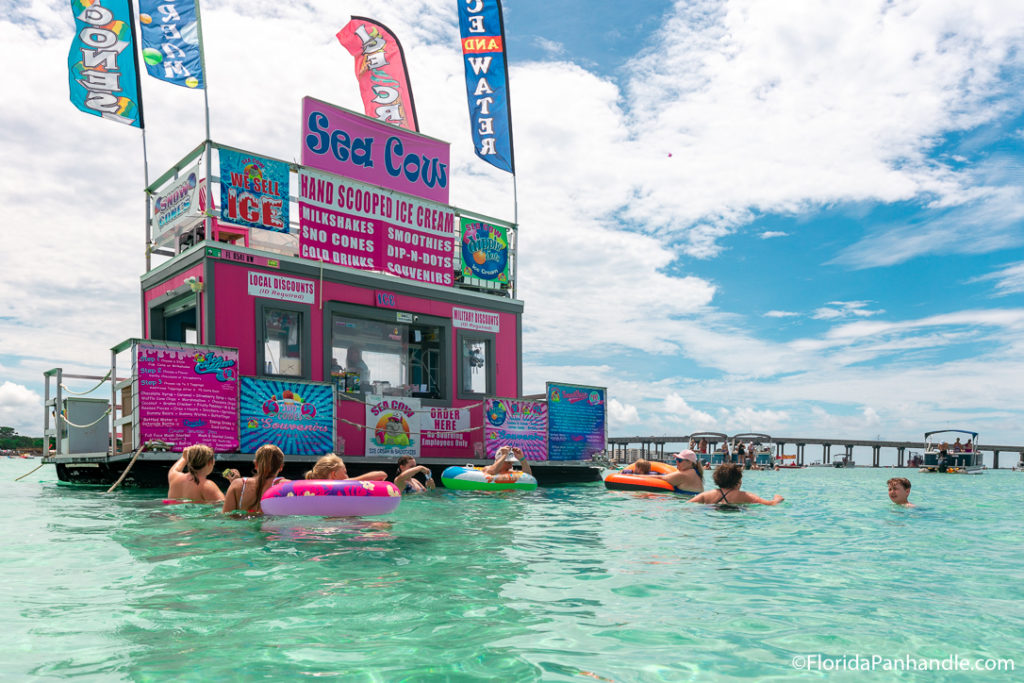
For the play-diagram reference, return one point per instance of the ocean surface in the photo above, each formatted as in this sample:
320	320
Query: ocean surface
572	583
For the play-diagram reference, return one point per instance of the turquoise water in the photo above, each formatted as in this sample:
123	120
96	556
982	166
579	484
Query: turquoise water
573	583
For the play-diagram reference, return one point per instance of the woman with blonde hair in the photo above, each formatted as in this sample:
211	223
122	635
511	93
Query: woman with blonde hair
245	493
331	466
187	479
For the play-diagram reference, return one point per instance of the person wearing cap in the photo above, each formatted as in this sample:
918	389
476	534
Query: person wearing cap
689	475
505	458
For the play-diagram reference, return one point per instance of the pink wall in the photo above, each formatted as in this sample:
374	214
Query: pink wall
236	326
171	284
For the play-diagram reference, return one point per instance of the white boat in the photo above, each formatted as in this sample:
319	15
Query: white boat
753	450
956	458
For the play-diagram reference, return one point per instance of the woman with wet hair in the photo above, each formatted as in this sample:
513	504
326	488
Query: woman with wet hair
729	478
187	479
331	466
245	493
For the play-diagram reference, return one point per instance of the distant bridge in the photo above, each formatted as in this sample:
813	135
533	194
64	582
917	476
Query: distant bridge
654	447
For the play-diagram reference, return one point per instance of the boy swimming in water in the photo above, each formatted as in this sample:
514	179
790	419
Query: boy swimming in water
899	491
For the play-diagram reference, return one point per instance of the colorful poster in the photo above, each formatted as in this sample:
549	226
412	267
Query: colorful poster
170	41
392	426
298	417
181	205
253	191
576	421
340	141
381	72
484	250
188	395
103	70
522	424
445	428
348	223
483	50
274	286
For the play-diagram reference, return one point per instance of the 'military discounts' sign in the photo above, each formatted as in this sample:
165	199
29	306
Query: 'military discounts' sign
348	223
188	395
298	417
576	421
355	146
479	321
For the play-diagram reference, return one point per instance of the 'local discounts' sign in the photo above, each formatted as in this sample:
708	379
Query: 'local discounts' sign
273	286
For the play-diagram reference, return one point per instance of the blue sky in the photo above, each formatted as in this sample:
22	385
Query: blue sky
802	218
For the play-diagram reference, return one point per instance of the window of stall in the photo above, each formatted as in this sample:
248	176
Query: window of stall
176	319
476	364
282	334
386	352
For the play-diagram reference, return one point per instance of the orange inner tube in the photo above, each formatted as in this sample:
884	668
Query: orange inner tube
642	481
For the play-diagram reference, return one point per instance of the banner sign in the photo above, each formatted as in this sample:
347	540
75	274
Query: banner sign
483	50
298	417
188	395
103	71
170	41
392	426
273	286
522	424
381	72
348	223
479	321
351	145
484	250
576	421
183	203
444	428
253	191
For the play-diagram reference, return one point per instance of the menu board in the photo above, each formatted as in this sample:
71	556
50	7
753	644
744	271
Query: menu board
576	421
520	424
188	395
298	417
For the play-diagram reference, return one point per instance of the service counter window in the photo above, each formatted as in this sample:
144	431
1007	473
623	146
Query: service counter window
476	364
386	352
283	339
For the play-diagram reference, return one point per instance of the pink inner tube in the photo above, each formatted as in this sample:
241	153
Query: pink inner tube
331	498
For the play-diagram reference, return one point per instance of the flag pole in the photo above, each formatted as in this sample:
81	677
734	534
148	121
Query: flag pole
136	46
208	223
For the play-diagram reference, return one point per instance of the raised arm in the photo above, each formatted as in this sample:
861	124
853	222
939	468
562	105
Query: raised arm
518	452
402	479
176	469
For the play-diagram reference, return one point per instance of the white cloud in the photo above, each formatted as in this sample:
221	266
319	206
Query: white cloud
844	309
620	414
769	234
780	314
20	408
1008	279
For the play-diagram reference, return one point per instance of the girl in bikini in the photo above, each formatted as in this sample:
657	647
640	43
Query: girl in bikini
406	480
729	478
245	493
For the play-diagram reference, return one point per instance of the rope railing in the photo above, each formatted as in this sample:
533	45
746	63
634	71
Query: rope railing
64	416
102	381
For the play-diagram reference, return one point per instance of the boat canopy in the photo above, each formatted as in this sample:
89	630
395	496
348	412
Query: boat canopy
974	435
